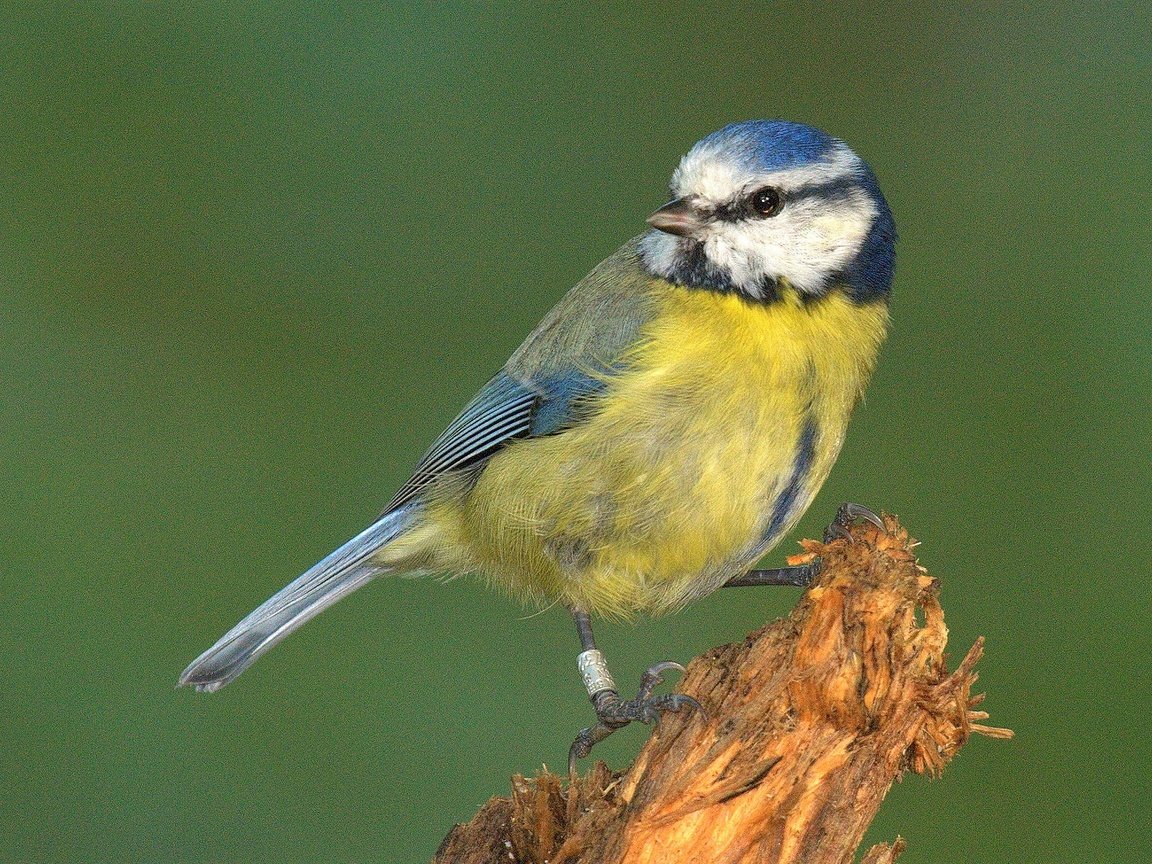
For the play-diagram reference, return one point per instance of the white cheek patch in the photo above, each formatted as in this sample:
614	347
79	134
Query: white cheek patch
841	234
806	245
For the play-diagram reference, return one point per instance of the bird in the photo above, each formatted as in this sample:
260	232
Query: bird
663	427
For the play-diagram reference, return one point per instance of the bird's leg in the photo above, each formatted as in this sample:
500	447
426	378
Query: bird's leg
612	712
802	576
796	577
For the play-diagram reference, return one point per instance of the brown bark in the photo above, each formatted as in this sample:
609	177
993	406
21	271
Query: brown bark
809	721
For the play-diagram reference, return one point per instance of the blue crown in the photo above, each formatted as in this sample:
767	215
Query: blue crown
771	145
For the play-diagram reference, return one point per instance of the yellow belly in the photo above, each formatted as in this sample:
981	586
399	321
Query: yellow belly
669	489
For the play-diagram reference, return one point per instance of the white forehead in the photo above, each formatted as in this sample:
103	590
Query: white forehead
711	171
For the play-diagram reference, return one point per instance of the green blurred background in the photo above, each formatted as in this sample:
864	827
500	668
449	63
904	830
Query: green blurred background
254	256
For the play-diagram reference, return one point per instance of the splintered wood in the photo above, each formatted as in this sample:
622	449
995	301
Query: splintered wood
809	721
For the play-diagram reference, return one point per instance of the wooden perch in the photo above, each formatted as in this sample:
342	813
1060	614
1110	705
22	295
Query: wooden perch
810	720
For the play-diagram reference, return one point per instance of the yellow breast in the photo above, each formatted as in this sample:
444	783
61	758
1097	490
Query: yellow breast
702	453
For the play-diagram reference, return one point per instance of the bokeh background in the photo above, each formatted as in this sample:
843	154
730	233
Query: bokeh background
254	256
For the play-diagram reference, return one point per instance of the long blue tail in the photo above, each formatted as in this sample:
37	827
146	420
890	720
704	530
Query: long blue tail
332	579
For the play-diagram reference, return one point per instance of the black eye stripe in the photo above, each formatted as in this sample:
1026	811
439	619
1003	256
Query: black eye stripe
832	190
839	189
731	212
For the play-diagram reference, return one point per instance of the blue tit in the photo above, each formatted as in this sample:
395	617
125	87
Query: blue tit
664	426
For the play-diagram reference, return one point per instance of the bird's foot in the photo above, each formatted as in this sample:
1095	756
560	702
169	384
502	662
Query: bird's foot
845	516
802	575
614	713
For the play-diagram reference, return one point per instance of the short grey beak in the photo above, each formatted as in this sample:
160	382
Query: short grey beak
677	217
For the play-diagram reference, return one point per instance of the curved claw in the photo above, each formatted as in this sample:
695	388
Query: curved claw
653	676
678	702
859	511
580	748
845	516
683	700
675	702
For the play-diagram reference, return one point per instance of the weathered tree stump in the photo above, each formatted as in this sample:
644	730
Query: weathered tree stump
809	721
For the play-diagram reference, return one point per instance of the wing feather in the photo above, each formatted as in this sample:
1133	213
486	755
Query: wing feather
500	412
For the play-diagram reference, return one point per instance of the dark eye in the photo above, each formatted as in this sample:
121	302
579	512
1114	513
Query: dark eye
767	201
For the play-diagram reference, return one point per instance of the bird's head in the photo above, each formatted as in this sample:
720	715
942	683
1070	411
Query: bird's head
766	203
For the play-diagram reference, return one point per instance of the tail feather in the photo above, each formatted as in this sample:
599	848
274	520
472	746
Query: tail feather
338	575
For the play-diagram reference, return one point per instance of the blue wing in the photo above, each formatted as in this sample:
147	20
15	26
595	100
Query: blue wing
505	409
552	380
